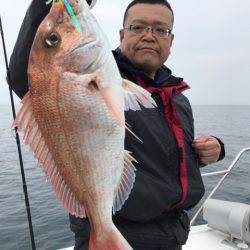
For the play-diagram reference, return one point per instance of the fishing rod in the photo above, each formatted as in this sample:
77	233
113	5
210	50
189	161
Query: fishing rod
18	143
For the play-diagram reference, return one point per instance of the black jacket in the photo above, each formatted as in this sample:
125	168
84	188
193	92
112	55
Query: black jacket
147	215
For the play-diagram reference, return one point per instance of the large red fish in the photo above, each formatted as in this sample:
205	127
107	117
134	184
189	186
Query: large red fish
73	119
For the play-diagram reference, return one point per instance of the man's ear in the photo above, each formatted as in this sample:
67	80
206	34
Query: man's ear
121	35
171	39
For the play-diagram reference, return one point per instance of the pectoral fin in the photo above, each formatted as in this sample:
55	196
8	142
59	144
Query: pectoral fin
126	182
135	95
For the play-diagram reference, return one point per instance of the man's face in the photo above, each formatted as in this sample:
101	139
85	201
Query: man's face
147	51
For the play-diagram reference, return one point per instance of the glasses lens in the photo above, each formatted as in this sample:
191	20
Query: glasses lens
161	31
138	28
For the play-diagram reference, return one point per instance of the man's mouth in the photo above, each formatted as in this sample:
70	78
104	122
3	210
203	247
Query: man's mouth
149	49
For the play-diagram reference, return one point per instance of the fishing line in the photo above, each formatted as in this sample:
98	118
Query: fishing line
18	142
70	12
72	15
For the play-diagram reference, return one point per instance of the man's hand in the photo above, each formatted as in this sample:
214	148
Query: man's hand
208	148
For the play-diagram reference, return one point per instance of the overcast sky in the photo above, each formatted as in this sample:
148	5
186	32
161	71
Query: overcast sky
211	50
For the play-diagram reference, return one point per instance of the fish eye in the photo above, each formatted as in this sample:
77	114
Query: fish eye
52	39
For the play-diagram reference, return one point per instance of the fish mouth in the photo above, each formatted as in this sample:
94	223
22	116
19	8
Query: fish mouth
82	45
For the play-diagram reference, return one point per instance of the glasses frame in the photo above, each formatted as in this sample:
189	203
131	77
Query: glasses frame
146	29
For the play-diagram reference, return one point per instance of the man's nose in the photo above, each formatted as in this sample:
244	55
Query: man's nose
149	34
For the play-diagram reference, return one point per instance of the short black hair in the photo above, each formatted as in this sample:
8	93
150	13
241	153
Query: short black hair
134	2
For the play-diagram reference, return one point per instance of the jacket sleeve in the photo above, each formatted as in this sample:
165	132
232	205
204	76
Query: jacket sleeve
20	56
222	153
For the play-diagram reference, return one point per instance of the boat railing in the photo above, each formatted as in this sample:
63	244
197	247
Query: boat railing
225	174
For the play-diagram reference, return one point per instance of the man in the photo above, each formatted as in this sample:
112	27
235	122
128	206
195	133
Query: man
168	179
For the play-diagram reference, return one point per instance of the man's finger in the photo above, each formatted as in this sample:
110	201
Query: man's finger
208	160
205	145
200	139
207	153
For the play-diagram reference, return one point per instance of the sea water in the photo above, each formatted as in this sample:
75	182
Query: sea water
50	221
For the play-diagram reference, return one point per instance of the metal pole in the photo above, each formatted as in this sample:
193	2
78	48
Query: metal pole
219	183
215	173
18	143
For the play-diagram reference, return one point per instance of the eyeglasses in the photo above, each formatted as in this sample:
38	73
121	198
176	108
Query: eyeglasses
142	29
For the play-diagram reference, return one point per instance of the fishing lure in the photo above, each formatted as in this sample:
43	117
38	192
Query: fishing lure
70	11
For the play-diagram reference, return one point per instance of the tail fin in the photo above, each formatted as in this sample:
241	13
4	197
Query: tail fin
112	241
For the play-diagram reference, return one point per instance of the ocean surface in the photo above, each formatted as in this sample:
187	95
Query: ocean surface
50	220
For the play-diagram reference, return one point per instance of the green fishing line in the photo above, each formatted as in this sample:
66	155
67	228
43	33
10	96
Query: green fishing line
71	13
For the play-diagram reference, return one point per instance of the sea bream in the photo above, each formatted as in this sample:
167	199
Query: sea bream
73	118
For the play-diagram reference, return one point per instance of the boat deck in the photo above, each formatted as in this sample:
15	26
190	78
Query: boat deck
205	238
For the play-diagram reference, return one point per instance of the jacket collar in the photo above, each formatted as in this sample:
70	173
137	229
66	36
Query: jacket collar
163	76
